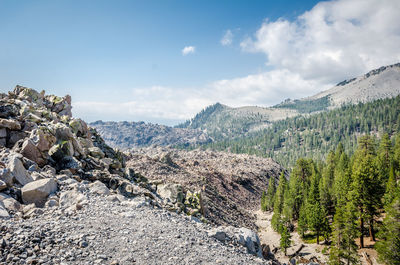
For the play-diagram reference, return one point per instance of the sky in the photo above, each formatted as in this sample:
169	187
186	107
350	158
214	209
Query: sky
163	61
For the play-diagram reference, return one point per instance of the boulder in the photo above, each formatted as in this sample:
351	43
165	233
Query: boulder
6	176
10	124
171	192
18	170
99	188
96	152
42	139
61	150
250	240
30	151
28	94
72	199
11	205
79	127
38	191
3	212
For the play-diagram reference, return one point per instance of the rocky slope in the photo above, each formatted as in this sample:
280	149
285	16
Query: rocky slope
125	134
383	82
229	185
67	198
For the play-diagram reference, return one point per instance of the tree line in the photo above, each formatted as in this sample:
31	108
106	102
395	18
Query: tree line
343	199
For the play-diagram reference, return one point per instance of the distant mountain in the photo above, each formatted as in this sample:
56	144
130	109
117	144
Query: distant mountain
221	121
126	135
380	83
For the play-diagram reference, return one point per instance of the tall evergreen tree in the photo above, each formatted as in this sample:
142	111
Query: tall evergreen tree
269	200
285	240
344	248
279	201
365	177
316	213
391	188
389	246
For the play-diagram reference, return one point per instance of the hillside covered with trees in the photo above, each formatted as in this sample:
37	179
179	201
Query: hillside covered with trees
343	200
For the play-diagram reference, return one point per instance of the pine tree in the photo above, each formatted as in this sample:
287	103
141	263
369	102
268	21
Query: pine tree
263	201
285	240
279	201
389	246
391	188
365	177
269	200
327	181
316	213
345	231
342	180
302	222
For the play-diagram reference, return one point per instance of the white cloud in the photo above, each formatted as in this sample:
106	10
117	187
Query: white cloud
333	40
188	50
227	38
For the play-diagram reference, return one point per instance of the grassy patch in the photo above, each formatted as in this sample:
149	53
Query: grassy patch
311	238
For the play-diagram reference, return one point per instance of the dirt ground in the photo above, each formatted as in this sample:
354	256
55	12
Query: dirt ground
269	237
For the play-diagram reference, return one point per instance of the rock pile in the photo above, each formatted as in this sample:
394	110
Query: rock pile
228	186
40	143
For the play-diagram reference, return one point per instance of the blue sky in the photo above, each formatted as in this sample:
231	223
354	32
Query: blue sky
123	60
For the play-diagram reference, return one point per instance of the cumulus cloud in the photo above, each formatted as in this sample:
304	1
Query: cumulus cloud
333	40
227	38
188	50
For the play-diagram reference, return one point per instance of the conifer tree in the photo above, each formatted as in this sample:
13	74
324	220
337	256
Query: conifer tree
269	200
327	181
285	240
302	222
316	213
345	231
263	201
389	245
365	177
279	201
391	188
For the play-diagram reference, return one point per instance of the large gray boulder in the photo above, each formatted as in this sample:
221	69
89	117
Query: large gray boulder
18	170
30	151
38	191
99	188
171	192
250	240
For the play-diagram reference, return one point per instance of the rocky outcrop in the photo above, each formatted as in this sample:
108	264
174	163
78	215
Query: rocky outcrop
125	135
